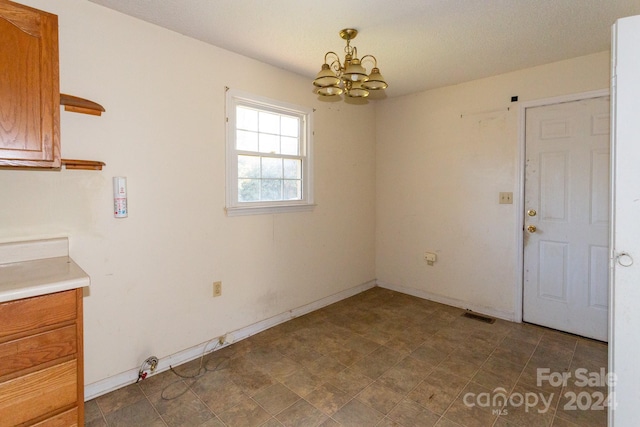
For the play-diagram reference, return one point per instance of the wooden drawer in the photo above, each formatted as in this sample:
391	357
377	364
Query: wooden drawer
31	313
39	393
66	419
34	350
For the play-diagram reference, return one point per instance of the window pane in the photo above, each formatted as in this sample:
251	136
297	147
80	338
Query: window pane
246	119
268	155
269	122
292	168
289	146
246	141
292	190
290	126
269	143
271	168
248	190
271	189
248	167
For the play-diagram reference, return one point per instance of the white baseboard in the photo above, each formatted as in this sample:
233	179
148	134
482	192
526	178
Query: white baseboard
488	311
115	382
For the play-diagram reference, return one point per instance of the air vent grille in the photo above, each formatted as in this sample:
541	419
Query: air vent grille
478	317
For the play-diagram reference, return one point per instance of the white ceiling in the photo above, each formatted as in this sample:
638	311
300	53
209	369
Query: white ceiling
419	44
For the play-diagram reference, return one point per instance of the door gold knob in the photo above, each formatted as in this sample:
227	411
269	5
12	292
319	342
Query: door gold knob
532	228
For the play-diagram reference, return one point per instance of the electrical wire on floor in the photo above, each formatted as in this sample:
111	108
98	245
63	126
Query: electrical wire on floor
202	369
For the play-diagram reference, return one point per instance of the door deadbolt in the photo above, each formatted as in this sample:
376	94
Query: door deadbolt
532	212
532	228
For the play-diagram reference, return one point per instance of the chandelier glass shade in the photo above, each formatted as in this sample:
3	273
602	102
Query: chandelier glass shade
349	76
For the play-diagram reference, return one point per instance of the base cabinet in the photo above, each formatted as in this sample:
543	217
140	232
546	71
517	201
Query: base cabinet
41	361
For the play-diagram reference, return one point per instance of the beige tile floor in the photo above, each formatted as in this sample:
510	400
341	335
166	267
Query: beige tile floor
380	358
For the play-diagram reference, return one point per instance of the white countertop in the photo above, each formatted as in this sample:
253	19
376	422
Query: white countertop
44	276
27	277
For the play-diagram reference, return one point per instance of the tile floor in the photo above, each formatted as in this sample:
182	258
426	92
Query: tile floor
380	358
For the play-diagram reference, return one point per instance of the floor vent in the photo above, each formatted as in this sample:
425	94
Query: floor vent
478	317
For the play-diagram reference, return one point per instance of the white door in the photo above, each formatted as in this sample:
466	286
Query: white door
625	288
566	241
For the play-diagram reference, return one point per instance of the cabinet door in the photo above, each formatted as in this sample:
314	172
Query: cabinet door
29	87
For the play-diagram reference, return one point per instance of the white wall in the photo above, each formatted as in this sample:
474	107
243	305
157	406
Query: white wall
152	273
438	178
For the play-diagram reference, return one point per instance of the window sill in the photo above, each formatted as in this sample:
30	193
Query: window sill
260	210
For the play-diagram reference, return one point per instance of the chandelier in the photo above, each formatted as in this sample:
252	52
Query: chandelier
348	77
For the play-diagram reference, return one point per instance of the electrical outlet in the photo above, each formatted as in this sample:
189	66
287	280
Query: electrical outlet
217	289
430	257
506	198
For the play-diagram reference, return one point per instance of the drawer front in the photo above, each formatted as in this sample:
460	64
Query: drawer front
37	394
66	419
34	350
31	313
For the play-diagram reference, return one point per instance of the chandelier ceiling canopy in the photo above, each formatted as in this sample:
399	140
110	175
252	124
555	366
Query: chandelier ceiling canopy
349	76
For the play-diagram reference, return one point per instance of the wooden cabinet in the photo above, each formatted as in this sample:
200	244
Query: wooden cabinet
29	87
41	360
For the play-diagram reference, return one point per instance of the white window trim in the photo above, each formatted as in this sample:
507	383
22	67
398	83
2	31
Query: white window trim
235	208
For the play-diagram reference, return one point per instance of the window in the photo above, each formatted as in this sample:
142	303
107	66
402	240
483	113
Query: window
269	149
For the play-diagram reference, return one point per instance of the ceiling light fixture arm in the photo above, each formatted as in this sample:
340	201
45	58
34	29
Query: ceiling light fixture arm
375	61
335	64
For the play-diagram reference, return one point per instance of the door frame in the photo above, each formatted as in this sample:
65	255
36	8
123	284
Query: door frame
520	173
